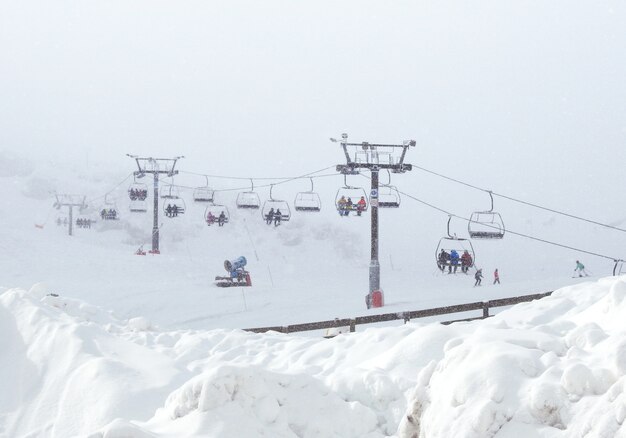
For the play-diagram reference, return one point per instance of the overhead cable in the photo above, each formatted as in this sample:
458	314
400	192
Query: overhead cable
530	204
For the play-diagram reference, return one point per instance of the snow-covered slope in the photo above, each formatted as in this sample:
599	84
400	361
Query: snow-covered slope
550	368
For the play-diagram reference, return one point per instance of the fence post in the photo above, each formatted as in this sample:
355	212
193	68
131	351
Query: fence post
352	325
485	309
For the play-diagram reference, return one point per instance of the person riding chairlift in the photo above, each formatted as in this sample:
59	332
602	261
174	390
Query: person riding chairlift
466	261
361	206
221	219
270	216
210	219
278	216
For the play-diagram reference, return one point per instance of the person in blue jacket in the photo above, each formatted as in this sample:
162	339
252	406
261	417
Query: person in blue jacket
454	261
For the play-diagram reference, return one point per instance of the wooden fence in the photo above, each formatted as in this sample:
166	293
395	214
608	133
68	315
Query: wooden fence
484	306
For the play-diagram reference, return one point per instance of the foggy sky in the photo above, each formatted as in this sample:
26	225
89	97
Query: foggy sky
513	94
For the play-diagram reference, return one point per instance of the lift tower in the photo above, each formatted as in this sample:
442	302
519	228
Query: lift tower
373	157
156	167
70	201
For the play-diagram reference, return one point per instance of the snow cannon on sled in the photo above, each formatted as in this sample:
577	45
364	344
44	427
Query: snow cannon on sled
238	276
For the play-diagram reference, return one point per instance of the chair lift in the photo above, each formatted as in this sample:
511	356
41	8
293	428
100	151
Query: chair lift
138	193
109	211
203	194
213	212
173	205
275	204
452	242
486	224
249	200
350	194
308	201
388	195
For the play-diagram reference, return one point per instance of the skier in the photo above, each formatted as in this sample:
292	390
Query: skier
341	206
349	207
466	261
360	206
478	276
277	217
221	219
103	214
454	261
168	210
581	269
443	260
270	216
496	277
210	219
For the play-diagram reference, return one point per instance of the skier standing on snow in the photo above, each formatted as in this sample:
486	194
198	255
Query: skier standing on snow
580	268
478	276
496	277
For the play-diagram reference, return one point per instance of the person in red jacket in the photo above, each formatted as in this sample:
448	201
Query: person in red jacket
361	206
496	277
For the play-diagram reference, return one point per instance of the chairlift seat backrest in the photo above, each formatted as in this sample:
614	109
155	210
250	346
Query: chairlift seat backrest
308	202
248	200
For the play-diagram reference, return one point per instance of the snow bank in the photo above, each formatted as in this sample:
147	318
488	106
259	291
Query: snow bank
551	368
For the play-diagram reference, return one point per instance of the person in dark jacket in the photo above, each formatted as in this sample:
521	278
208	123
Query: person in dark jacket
221	220
443	260
278	216
478	276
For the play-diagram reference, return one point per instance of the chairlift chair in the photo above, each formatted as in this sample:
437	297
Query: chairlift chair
109	210
137	191
203	194
308	201
169	191
351	194
249	200
276	204
452	242
486	224
213	212
173	205
388	195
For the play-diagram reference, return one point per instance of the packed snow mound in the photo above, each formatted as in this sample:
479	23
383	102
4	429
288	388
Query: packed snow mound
550	368
553	368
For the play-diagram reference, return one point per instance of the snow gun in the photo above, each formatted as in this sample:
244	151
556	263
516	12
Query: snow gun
238	276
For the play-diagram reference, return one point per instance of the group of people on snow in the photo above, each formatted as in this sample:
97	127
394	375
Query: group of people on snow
345	206
83	223
452	260
211	219
108	214
273	216
478	276
138	194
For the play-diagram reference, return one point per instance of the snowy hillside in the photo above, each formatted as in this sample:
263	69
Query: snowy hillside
550	368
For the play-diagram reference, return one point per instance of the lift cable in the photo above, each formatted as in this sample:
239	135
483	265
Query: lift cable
530	204
614	259
281	181
110	191
286	178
